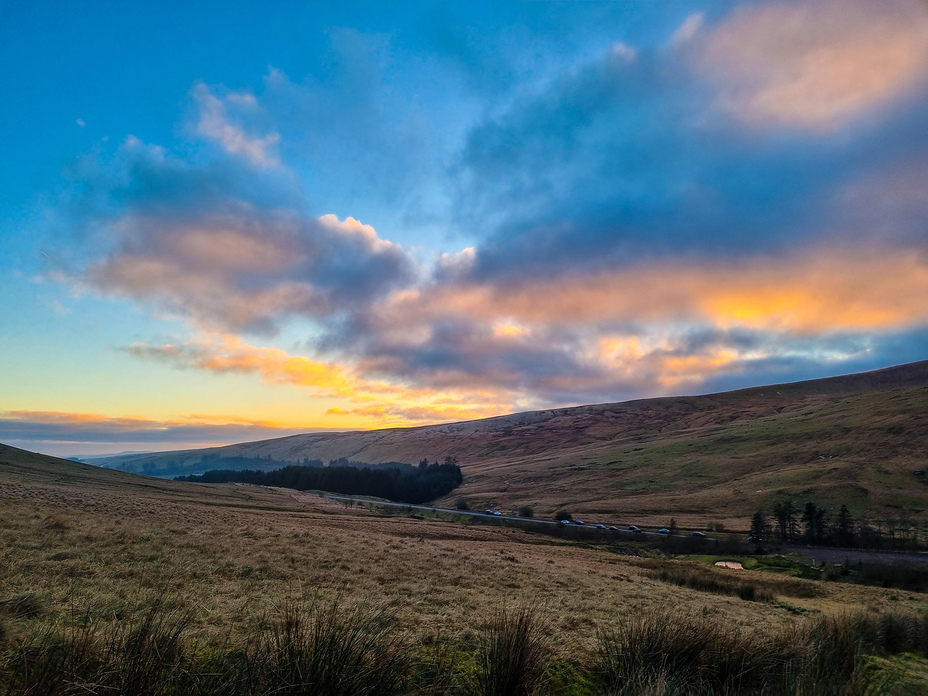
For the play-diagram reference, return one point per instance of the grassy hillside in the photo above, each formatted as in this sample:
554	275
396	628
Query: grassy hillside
857	439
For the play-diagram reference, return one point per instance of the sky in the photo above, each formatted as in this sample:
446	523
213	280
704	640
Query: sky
230	221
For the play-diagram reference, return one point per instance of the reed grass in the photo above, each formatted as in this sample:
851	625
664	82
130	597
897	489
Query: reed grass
322	648
315	647
672	654
514	653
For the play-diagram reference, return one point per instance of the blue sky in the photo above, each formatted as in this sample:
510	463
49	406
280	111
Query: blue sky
226	221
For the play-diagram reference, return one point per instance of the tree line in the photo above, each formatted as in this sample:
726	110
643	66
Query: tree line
396	481
812	524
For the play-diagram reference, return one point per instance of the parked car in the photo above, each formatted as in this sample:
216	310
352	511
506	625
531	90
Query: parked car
578	521
633	528
614	529
498	514
698	534
565	521
663	530
488	512
600	526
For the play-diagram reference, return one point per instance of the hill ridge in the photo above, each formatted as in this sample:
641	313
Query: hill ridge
853	439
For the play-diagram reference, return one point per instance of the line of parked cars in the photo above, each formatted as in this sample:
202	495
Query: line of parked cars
631	528
580	523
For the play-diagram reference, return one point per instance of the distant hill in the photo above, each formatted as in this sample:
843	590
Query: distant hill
856	439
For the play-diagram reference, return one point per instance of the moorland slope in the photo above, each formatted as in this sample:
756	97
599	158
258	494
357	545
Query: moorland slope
859	440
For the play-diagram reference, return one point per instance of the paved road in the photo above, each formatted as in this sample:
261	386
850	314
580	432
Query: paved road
831	555
472	513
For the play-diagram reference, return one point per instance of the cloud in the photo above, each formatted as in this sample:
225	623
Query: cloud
55	426
616	163
80	122
219	246
229	354
214	122
815	291
686	31
390	401
817	64
651	328
245	269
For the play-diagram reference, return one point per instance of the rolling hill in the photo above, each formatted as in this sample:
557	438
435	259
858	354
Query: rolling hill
859	439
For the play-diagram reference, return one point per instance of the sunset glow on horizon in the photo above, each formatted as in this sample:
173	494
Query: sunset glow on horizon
336	216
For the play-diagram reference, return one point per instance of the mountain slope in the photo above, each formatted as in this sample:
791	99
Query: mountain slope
856	439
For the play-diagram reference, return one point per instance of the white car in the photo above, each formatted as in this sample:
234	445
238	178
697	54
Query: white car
633	528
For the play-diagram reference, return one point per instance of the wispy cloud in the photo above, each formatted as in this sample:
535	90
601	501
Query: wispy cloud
215	122
390	401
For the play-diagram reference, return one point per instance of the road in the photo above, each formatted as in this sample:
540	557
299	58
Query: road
832	555
472	513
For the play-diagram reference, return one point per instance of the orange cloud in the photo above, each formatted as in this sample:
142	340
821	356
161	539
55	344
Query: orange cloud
812	293
387	403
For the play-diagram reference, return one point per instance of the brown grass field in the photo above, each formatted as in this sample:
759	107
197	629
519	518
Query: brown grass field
75	538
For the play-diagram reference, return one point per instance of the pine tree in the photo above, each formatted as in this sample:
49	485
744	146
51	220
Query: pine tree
759	525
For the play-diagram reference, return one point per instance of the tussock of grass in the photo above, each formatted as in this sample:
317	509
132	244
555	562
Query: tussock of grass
25	604
124	658
668	653
323	649
514	654
904	675
663	653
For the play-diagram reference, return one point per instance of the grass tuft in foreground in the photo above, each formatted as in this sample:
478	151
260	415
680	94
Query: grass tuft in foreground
326	648
662	653
514	654
323	649
125	658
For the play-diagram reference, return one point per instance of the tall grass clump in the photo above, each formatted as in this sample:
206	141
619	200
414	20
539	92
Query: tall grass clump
26	605
322	649
142	658
840	644
664	653
514	654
